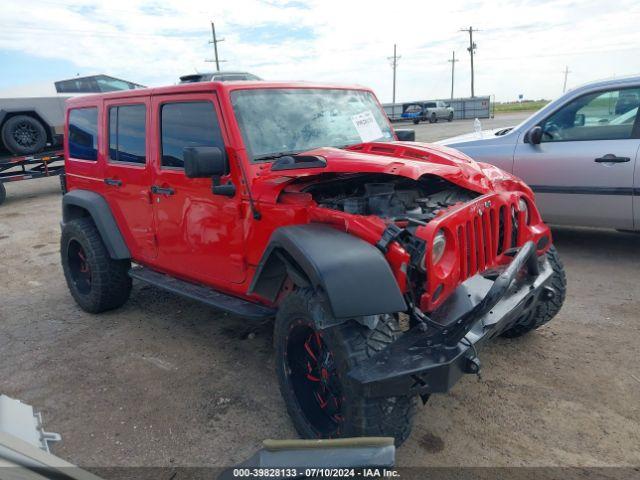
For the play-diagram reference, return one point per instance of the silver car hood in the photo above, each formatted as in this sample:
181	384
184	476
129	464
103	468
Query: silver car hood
476	138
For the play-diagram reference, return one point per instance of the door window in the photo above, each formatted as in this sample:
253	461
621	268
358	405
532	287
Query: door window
127	139
187	124
597	116
83	133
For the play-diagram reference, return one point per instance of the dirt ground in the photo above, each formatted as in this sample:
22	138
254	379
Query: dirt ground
164	381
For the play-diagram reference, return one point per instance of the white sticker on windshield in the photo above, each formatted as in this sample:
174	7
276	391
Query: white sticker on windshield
367	127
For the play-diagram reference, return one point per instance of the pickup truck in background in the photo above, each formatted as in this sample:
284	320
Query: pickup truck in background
427	111
28	125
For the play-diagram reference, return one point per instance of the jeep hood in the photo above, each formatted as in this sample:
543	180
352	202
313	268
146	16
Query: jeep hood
408	159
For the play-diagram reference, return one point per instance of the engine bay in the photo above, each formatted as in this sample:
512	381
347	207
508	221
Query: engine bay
389	196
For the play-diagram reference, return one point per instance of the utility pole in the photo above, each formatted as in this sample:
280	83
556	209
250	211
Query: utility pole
471	49
215	42
453	70
394	65
566	73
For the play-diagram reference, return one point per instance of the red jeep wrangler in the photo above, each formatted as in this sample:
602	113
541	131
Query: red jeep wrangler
386	263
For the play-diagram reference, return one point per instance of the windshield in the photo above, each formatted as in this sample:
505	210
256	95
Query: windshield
286	121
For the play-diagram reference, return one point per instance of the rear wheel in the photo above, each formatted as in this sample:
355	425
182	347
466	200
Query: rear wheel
3	193
24	135
96	281
312	368
548	308
416	121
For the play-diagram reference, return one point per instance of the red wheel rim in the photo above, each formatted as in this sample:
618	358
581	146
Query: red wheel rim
315	380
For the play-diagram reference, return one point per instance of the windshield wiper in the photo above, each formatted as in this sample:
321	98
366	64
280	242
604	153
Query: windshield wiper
274	156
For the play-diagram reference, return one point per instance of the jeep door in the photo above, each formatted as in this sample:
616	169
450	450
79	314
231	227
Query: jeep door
200	235
582	171
128	172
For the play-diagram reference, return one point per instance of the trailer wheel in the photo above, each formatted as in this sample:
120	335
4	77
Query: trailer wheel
97	282
24	135
549	308
312	368
3	193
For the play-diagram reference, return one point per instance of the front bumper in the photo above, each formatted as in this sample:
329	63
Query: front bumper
420	362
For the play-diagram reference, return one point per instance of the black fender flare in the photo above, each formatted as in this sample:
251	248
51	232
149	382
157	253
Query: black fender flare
353	274
82	203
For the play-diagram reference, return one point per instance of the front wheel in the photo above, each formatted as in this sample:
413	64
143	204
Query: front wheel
548	308
416	121
450	117
433	118
3	193
312	368
24	135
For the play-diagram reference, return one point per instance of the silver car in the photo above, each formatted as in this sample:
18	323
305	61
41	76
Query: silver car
578	153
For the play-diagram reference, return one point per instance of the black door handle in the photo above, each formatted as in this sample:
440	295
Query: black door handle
162	190
611	158
113	182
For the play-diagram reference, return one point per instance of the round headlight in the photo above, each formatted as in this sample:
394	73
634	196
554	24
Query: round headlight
523	207
438	247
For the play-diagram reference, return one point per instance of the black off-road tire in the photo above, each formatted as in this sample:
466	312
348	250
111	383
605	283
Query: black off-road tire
3	193
106	285
547	309
350	344
24	135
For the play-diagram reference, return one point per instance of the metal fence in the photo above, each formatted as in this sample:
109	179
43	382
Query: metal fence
476	107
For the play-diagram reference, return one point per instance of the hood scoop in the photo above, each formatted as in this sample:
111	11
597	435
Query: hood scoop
294	162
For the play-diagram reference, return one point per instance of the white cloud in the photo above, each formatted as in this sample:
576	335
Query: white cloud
522	46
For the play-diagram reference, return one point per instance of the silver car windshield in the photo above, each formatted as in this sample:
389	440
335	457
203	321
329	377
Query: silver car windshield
274	122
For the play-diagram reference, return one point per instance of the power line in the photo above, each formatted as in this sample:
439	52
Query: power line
453	61
215	42
471	49
394	65
566	73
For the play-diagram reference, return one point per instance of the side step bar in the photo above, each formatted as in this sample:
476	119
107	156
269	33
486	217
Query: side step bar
206	295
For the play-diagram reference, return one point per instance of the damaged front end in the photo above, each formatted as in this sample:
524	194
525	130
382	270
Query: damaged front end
466	246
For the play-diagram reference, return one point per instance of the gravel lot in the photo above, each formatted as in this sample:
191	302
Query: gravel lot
165	381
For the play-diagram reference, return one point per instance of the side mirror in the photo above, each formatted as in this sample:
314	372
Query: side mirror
406	134
204	162
579	120
534	136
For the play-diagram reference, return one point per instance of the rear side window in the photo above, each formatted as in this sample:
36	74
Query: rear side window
187	124
83	133
127	133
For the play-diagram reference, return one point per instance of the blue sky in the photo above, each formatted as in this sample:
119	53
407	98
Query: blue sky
523	46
